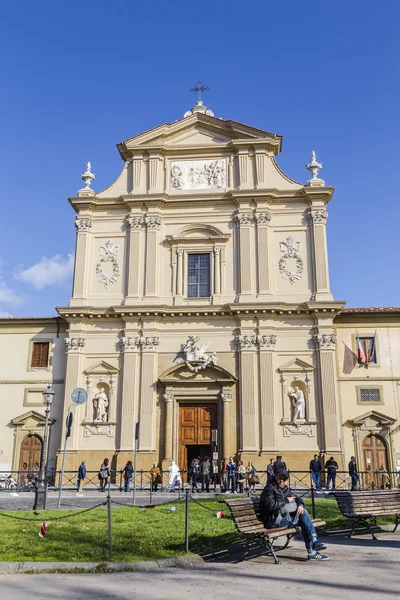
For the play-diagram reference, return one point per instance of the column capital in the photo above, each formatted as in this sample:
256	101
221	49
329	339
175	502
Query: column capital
179	251
131	344
83	224
168	396
151	343
263	218
135	222
246	342
325	341
226	396
318	216
153	222
266	342
243	218
74	345
217	251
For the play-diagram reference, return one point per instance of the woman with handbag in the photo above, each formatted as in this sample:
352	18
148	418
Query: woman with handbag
128	470
251	477
155	477
104	474
241	473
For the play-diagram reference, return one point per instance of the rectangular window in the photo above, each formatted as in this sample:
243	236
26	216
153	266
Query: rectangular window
370	396
369	347
40	354
199	276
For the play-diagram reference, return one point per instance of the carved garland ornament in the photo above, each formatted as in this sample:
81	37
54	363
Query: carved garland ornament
290	250
108	254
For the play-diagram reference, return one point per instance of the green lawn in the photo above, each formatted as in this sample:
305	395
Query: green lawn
137	534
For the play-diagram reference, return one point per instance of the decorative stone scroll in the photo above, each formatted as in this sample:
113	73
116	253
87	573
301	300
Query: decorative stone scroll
74	344
289	430
108	254
290	250
83	224
198	174
195	357
98	430
325	341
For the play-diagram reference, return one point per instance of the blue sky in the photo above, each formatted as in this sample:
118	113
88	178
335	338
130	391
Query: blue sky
79	77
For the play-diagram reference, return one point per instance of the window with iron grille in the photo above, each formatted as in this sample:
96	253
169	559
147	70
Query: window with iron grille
40	354
370	395
199	276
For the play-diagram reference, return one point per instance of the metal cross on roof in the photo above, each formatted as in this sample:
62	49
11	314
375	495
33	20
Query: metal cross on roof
199	88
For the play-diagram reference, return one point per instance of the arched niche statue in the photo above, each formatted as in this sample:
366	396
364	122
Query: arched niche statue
100	406
298	404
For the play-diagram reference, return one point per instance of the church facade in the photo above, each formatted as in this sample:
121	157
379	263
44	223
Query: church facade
202	310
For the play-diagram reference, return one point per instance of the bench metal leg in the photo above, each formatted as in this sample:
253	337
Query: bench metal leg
397	523
270	547
353	527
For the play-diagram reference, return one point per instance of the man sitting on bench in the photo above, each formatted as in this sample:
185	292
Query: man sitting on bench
279	507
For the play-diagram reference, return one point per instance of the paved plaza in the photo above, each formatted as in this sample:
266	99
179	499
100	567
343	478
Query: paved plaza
360	567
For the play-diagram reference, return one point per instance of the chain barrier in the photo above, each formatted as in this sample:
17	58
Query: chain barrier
74	514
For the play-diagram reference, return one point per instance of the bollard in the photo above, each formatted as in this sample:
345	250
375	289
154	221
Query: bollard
151	490
110	551
187	521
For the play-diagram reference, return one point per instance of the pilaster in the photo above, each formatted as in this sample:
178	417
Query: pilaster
325	343
83	225
249	413
226	397
266	343
130	407
243	163
168	448
153	224
74	349
245	255
263	219
321	273
135	259
217	274
148	381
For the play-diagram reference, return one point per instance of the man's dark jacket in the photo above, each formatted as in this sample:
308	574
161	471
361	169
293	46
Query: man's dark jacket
279	467
353	468
272	500
315	466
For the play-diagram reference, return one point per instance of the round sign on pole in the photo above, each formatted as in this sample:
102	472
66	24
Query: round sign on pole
79	396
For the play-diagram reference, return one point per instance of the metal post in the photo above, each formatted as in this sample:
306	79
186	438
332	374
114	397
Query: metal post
151	490
134	472
187	521
110	551
63	463
41	490
312	498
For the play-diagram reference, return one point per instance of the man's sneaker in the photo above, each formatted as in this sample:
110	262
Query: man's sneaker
235	492
317	556
318	546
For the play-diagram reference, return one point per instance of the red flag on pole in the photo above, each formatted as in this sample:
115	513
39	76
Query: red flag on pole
362	359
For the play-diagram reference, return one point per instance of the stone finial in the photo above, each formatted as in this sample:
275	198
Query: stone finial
88	177
314	166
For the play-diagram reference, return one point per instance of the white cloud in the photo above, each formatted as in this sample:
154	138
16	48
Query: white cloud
48	271
8	296
4	314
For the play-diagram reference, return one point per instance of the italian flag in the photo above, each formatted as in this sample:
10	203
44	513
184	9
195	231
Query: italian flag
362	359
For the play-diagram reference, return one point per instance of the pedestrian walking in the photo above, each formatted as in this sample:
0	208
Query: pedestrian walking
195	473
224	477
174	476
331	466
241	476
353	472
205	474
251	477
155	475
316	468
128	470
231	473
104	474
81	476
270	471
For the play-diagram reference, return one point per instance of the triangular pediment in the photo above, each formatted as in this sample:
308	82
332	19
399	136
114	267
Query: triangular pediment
30	419
101	368
373	417
196	131
296	365
182	374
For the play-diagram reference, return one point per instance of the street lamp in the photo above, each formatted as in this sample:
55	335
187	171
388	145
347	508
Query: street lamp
41	488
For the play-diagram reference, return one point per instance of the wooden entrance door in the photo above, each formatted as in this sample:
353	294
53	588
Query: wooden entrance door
374	453
195	424
31	453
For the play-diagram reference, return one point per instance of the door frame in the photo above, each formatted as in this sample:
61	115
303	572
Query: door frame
197	403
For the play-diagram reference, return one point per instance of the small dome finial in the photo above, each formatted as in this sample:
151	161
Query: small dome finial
314	166
88	176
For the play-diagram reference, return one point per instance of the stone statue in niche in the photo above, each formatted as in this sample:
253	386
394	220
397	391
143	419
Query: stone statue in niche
100	405
299	404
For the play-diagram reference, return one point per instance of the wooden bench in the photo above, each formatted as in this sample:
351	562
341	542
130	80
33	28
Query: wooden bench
365	507
246	516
